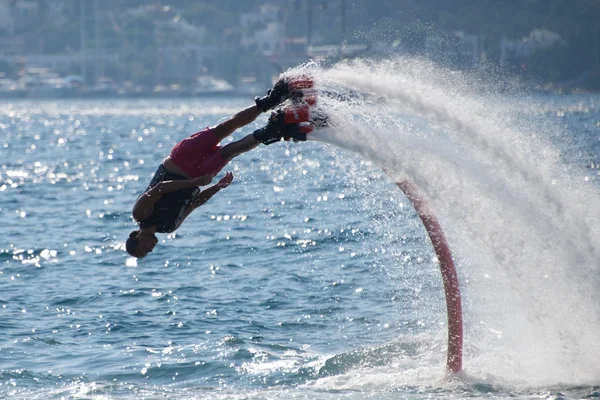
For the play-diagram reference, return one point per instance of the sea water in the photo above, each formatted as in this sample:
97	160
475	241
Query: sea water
311	276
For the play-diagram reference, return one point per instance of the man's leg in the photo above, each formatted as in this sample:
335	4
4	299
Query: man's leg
243	118
236	148
275	96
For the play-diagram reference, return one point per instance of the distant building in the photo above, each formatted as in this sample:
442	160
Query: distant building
185	62
296	46
458	48
319	53
470	47
25	8
56	12
23	12
596	42
518	50
64	63
512	50
545	39
20	13
12	45
265	14
7	21
151	10
181	53
264	31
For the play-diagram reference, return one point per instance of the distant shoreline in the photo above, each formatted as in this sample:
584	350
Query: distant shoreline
117	96
5	99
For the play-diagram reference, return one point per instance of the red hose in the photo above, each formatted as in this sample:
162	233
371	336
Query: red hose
449	277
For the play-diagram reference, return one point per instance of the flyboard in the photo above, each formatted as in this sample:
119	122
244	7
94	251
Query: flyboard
304	114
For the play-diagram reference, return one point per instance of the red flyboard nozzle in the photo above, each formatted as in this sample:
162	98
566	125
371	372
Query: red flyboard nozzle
296	114
300	82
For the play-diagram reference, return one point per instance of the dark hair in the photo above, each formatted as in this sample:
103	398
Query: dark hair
132	243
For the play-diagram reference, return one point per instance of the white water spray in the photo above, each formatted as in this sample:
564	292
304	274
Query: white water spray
524	227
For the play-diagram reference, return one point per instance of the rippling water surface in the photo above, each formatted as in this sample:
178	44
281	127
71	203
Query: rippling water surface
309	277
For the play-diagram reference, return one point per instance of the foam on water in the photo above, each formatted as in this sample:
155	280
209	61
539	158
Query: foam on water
524	227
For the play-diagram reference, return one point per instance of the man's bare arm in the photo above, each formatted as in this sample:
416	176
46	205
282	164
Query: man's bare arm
200	199
205	195
145	203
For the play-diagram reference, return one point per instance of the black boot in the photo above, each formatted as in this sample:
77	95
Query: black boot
276	129
266	136
274	97
273	131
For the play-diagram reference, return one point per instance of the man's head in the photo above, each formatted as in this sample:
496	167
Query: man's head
139	244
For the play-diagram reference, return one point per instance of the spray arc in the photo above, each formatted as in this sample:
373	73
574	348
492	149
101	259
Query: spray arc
303	113
504	173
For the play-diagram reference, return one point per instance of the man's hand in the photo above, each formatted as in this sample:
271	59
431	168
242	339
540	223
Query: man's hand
225	181
201	180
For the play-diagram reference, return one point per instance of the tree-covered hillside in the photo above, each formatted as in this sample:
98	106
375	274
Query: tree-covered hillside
364	21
